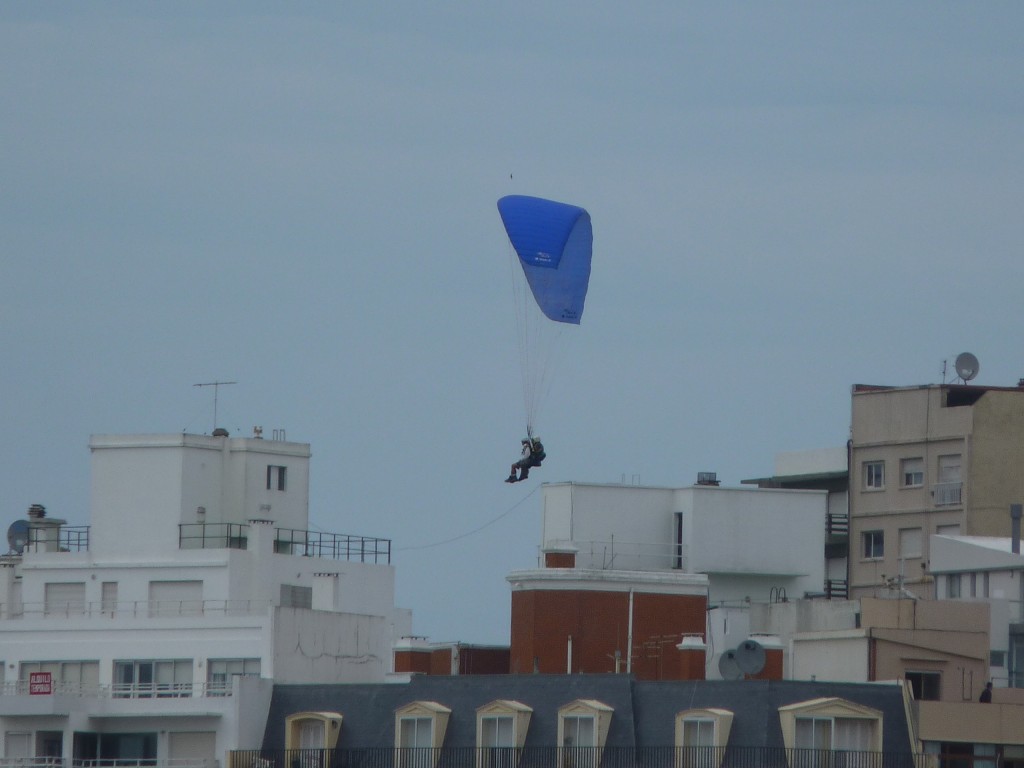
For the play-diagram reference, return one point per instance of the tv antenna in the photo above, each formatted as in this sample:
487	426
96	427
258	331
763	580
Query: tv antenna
216	388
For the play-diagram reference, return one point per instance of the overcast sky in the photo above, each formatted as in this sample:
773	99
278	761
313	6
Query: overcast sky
787	199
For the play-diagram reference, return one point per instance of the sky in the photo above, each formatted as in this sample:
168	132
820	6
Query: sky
787	199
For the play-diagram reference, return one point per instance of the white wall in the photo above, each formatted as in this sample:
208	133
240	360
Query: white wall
836	656
748	539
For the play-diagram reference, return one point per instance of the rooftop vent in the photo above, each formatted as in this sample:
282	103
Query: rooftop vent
220	432
37	511
707	478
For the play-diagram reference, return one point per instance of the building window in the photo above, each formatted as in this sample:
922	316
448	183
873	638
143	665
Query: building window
294	596
844	734
910	542
419	733
582	731
64	599
145	679
874	475
75	677
948	530
315	734
830	724
997	658
220	671
276	477
953	582
501	733
926	685
108	598
874	545
912	473
702	735
175	598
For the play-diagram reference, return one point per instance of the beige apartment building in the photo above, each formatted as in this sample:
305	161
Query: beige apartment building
946	459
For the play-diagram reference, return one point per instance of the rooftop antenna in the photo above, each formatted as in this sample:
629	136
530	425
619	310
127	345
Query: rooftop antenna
216	387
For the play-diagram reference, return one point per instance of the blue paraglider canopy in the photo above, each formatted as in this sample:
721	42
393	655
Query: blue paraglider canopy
554	242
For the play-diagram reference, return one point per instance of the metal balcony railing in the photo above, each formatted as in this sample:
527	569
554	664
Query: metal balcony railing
68	538
837	525
578	757
63	762
287	541
947	494
123	690
334	546
133	609
837	589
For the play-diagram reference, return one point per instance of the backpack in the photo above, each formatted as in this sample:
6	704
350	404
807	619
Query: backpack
537	454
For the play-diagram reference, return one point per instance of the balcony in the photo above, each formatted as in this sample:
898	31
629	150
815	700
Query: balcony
576	757
121	690
947	494
63	762
133	609
288	541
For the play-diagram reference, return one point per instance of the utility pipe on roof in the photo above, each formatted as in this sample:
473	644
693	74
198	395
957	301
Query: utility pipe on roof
629	636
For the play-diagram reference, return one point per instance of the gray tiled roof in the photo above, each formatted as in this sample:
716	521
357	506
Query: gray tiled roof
644	711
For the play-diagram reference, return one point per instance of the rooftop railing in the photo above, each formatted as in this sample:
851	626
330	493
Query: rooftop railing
287	541
578	757
68	538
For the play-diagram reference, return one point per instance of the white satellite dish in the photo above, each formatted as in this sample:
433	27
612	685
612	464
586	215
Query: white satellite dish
728	667
967	366
750	657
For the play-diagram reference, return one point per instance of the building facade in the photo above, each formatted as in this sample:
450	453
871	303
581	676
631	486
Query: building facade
156	633
628	573
935	459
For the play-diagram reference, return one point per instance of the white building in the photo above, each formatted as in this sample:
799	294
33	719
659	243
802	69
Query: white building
988	569
752	544
157	632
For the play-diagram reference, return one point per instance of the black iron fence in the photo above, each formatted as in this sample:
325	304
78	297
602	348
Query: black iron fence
578	757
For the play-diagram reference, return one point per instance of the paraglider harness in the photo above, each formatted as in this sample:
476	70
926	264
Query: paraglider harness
537	454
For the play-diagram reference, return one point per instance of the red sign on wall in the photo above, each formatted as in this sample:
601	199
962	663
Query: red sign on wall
40	683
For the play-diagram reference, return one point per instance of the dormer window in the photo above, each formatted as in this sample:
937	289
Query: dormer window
582	732
831	724
419	733
501	732
703	735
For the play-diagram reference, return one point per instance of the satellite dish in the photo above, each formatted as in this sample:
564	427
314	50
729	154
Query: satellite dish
750	657
967	366
728	667
17	536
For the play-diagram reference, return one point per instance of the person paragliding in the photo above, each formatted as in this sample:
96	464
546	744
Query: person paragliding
553	245
532	456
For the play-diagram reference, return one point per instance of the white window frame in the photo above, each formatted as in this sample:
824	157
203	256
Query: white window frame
870	542
834	710
703	754
874	475
570	717
912	472
414	715
493	750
